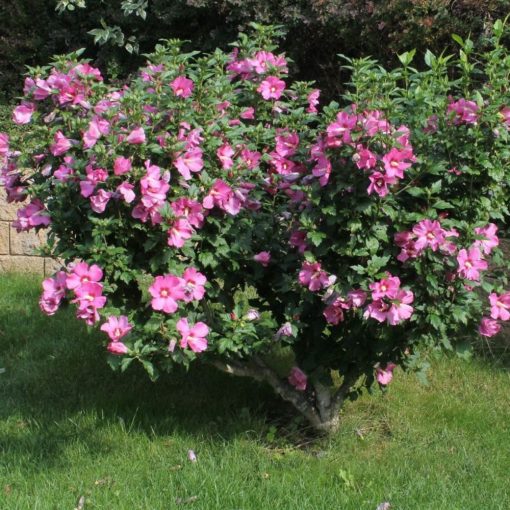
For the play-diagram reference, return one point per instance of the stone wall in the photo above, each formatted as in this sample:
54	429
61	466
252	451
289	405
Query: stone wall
17	250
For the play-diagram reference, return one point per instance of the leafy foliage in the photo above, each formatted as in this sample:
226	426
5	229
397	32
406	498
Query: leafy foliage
211	210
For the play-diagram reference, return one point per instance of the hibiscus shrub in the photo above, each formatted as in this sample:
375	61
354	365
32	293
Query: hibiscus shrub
210	210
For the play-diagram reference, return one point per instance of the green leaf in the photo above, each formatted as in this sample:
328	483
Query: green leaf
316	237
442	204
207	259
458	39
150	369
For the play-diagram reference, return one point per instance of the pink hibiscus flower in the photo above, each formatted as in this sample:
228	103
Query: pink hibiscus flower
182	87
194	337
429	234
385	375
271	88
116	327
166	291
193	284
471	263
312	276
83	273
263	258
489	327
500	306
298	379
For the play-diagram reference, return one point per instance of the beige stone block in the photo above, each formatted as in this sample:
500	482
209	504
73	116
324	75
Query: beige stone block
7	211
25	243
4	237
51	266
21	264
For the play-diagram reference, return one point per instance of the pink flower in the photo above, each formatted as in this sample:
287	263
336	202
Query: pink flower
505	115
89	314
489	327
384	376
126	191
192	456
252	315
377	310
395	162
429	233
63	173
339	132
263	258
190	210
284	330
61	145
463	112
271	88
166	291
90	295
405	240
154	188
42	89
116	327
282	166
298	379
471	263
117	348
22	114
357	298
313	101
4	144
49	304
190	161
82	274
500	306
287	144
54	290
179	233
193	284
182	87
56	285
374	122
30	216
489	238
333	314
97	128
364	158
265	59
250	158
194	337
387	287
312	276
225	153
222	196
400	309
136	137
99	201
248	113
87	188
379	184
121	165
298	240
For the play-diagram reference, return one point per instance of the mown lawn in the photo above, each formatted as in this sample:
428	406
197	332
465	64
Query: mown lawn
69	427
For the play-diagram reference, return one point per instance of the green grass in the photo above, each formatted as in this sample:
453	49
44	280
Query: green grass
70	427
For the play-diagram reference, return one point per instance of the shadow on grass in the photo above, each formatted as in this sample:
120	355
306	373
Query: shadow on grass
57	388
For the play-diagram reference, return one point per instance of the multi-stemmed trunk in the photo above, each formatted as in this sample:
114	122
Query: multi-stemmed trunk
319	404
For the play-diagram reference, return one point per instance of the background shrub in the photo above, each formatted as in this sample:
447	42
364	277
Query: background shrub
317	30
210	210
